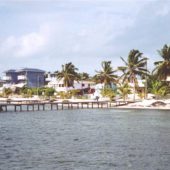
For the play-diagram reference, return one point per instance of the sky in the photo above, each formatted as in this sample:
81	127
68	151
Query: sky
45	34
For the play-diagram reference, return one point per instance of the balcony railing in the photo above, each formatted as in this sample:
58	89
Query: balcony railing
21	77
5	78
50	79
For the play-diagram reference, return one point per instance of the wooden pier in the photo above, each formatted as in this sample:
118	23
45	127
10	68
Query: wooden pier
38	106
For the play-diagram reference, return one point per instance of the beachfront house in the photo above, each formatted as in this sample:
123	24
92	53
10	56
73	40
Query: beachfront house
29	77
10	78
58	85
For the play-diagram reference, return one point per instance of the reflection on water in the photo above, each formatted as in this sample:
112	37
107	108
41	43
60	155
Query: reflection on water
85	139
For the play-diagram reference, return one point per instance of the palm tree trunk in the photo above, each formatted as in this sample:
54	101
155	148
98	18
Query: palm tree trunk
134	89
66	85
124	98
134	92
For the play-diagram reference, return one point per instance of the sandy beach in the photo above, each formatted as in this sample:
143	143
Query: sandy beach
148	104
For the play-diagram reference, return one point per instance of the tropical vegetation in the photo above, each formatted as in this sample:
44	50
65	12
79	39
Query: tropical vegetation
124	90
106	75
68	73
134	67
108	92
162	68
125	77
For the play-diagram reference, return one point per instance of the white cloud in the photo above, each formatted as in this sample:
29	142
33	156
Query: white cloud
80	31
25	45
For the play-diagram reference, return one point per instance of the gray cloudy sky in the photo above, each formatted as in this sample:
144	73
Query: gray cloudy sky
45	34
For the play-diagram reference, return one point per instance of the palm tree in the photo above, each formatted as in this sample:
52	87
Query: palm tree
108	92
107	74
159	88
162	69
124	90
134	66
68	74
84	76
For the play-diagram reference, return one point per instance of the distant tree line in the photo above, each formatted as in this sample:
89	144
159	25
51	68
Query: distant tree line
134	68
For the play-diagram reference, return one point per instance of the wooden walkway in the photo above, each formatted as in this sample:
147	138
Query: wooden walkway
37	106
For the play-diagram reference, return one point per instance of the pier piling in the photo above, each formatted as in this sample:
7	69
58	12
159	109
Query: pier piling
53	106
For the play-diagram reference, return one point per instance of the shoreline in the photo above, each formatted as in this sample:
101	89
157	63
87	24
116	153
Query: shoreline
141	108
151	104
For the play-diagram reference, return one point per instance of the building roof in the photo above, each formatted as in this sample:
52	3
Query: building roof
24	69
10	71
31	70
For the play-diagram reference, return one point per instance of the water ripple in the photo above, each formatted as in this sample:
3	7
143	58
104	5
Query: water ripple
85	140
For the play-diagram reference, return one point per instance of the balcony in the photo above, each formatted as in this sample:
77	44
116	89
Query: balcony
6	78
21	77
48	79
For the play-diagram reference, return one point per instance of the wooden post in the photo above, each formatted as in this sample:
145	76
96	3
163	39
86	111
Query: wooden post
1	108
5	106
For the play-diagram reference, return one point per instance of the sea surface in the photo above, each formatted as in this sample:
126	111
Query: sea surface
99	139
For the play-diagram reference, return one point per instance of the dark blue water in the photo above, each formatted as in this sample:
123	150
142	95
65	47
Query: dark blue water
85	140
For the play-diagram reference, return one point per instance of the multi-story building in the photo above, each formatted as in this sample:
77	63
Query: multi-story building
29	77
10	77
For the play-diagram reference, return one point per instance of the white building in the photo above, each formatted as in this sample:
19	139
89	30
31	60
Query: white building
140	84
58	85
98	88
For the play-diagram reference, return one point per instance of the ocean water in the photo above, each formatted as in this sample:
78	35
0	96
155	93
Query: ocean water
99	139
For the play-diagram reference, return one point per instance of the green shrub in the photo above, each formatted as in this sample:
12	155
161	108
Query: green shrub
108	92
